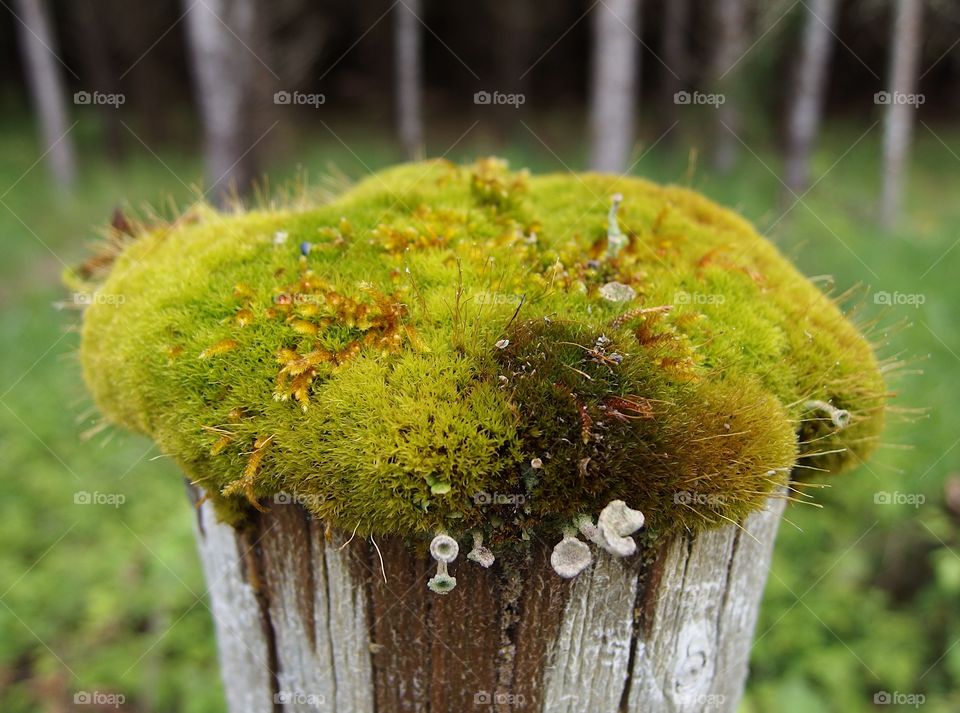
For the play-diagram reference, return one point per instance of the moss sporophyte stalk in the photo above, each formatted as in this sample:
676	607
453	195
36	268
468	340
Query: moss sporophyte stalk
576	348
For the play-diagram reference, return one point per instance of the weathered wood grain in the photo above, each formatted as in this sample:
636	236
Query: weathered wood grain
244	643
309	620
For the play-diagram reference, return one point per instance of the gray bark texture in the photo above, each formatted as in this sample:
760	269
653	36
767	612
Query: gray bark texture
311	619
898	128
616	25
43	72
806	106
409	97
221	36
730	32
676	55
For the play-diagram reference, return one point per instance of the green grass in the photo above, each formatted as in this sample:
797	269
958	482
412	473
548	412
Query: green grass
861	597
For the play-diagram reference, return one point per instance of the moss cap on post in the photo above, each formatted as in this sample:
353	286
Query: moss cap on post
483	353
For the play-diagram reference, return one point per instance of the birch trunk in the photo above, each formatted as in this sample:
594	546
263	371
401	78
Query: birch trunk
39	49
220	34
806	108
314	620
676	56
613	83
407	39
729	23
904	60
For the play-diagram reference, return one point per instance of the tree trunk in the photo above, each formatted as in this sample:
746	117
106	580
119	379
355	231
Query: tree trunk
806	107
616	24
730	31
41	63
221	37
904	60
311	620
409	95
676	56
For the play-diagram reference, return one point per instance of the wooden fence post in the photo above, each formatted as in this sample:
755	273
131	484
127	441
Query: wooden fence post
309	621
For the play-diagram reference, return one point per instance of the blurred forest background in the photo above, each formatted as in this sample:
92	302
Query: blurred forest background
832	124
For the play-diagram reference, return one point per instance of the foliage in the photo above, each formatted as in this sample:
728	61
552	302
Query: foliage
429	334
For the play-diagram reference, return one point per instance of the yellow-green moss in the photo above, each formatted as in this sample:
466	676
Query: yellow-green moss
444	356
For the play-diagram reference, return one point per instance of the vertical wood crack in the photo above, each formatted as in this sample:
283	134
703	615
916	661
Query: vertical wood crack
252	570
333	664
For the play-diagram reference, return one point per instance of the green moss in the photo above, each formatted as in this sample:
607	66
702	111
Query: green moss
446	355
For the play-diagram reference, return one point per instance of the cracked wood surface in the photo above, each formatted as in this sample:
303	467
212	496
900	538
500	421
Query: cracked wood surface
310	621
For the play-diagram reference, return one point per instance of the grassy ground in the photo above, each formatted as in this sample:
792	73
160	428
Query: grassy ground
108	598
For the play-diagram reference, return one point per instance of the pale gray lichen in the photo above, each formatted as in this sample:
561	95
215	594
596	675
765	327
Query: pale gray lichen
441	582
444	548
585	524
617	292
480	554
616	240
615	525
570	557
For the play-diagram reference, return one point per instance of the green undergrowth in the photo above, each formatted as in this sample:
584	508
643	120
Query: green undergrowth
456	348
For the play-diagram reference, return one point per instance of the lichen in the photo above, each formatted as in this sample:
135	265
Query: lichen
437	333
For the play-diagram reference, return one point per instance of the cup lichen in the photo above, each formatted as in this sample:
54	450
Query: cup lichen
438	332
